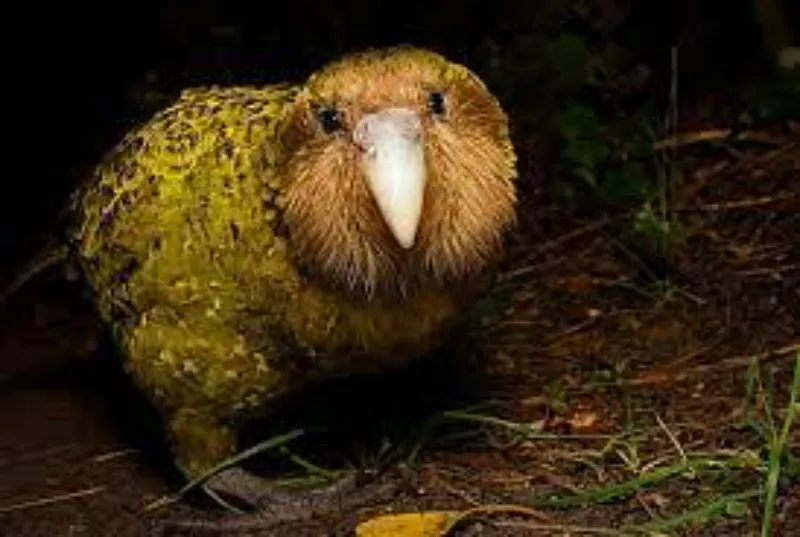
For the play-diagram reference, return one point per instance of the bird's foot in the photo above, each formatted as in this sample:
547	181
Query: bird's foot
274	505
272	500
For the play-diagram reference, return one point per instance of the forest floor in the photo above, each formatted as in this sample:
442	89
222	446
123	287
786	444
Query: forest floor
616	398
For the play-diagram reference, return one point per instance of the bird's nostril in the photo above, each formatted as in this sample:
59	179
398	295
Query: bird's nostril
362	141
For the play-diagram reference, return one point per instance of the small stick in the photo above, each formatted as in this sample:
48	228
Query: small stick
689	138
52	499
769	271
726	365
492	510
742	204
43	260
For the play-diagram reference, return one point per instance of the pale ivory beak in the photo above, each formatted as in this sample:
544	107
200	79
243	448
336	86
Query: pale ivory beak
394	167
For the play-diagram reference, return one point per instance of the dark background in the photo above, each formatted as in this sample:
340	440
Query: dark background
80	73
77	75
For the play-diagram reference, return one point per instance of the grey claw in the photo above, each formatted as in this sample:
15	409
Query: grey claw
279	503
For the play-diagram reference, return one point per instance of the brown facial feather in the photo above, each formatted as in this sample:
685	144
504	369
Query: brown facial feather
336	228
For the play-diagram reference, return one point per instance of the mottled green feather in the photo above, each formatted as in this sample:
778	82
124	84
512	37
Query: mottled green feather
179	233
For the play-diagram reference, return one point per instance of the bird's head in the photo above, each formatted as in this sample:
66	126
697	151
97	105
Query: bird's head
399	172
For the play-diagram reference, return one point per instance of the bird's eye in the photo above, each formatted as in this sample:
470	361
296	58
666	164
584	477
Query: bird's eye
329	119
436	102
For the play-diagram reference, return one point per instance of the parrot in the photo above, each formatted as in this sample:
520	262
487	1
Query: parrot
246	241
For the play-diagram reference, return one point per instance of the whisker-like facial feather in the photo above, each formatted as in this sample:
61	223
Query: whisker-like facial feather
337	231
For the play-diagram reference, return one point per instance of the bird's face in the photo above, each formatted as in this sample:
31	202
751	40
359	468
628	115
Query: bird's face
399	172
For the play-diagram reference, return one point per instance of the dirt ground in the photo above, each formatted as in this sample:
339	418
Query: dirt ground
610	376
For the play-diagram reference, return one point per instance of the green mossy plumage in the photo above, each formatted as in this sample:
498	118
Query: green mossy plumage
180	234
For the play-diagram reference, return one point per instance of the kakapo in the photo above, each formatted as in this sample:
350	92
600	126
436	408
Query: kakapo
246	241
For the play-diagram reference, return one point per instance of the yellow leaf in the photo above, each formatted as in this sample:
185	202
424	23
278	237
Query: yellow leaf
424	524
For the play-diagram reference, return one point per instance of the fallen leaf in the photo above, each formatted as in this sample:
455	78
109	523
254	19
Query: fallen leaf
423	524
581	421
